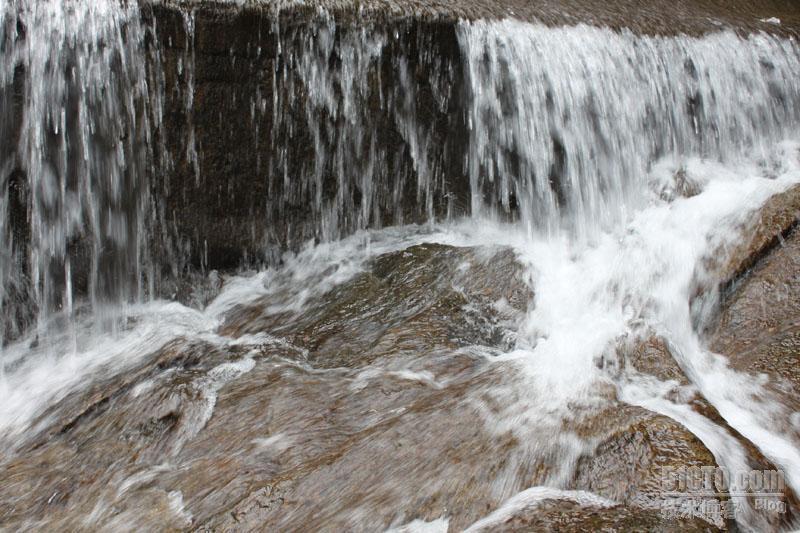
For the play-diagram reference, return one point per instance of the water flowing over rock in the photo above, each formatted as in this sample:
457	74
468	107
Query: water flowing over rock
565	123
758	329
229	150
382	266
76	115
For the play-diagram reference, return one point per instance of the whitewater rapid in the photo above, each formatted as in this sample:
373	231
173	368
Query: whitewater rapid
617	168
635	281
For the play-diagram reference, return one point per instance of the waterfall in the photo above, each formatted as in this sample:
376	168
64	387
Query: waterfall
451	221
576	130
341	96
75	137
565	123
364	127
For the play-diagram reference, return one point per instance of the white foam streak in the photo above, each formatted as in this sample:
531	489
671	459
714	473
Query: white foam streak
44	374
439	525
530	499
727	452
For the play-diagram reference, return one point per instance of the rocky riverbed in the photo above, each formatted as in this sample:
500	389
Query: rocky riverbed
370	402
384	266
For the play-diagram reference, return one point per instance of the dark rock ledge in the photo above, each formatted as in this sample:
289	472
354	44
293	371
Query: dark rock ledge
249	191
651	17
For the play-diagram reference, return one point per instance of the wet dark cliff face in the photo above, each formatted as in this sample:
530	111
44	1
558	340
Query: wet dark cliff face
284	123
233	131
278	131
224	137
650	17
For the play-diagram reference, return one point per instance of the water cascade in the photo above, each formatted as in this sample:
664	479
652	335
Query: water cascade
76	143
567	122
327	242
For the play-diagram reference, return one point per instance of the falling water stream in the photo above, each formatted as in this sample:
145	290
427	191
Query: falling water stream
77	119
582	143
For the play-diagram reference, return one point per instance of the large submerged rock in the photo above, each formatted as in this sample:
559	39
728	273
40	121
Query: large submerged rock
332	417
759	328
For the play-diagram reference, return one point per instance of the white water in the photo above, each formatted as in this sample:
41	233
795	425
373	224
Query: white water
76	139
567	121
638	281
588	296
608	259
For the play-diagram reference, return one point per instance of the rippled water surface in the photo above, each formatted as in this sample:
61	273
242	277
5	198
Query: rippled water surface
451	374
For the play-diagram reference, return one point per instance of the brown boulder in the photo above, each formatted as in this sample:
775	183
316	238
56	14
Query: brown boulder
759	327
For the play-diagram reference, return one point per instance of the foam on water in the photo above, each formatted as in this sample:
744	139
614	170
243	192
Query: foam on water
530	499
420	526
37	376
40	370
587	295
578	131
565	122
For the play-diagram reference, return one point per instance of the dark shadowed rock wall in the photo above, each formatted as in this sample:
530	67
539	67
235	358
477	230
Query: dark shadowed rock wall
279	130
288	122
234	130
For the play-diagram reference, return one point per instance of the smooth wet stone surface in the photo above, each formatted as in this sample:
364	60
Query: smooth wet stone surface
566	515
288	446
271	434
652	356
426	297
636	445
759	328
763	233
